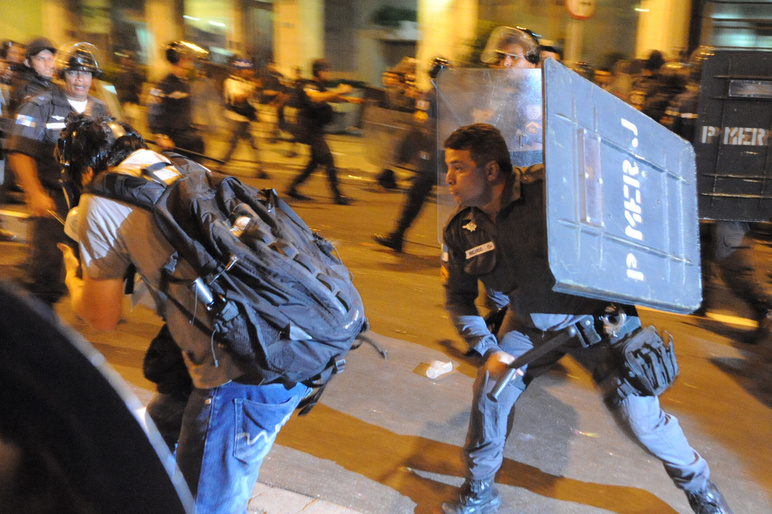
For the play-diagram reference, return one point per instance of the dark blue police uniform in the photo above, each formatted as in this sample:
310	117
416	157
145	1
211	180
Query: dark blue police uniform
35	133
509	254
171	113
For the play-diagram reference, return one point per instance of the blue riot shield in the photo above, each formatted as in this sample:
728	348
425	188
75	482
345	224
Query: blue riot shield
732	136
621	189
621	199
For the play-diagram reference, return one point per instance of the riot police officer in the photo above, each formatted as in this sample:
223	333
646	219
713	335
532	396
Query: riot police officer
496	236
31	154
515	48
315	112
170	112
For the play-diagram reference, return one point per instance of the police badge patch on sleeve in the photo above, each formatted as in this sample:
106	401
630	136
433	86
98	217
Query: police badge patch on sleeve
27	121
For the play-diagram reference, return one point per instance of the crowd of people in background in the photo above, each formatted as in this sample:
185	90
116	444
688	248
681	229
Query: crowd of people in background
198	102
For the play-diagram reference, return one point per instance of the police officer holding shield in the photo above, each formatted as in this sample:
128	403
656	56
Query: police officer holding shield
497	236
31	154
728	243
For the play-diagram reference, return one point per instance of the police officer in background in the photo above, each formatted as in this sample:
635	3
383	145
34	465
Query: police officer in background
421	141
12	55
170	112
11	64
727	243
37	74
513	48
497	236
314	113
31	145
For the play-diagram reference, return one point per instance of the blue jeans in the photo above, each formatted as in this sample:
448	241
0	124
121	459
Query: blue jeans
226	433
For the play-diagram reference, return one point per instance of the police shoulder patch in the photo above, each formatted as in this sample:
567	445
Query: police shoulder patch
24	120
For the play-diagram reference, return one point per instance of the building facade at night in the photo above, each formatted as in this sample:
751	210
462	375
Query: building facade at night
361	39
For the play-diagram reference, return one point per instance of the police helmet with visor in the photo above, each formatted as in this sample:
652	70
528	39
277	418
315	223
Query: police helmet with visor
80	57
502	38
176	50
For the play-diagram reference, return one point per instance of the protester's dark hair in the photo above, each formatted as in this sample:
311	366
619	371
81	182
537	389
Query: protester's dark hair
484	142
94	143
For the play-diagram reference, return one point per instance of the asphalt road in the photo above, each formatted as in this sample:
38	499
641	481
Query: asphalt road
387	439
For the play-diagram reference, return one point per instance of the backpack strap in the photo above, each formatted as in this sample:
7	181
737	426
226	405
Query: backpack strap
136	191
318	385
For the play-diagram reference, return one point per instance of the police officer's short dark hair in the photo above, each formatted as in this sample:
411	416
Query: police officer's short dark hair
319	65
484	142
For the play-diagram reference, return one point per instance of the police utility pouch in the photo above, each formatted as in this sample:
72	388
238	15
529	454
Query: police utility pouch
648	363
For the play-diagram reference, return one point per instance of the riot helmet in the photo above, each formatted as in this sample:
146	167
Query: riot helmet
242	64
698	57
176	50
78	57
503	37
93	143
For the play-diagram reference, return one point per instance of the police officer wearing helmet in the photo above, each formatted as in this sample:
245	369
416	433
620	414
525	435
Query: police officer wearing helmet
31	147
511	47
170	113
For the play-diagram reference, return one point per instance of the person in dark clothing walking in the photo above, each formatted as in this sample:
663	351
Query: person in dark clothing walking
314	113
170	113
423	138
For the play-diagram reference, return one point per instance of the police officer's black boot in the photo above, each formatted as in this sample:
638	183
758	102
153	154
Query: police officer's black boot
341	199
476	497
393	240
337	197
763	329
708	500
